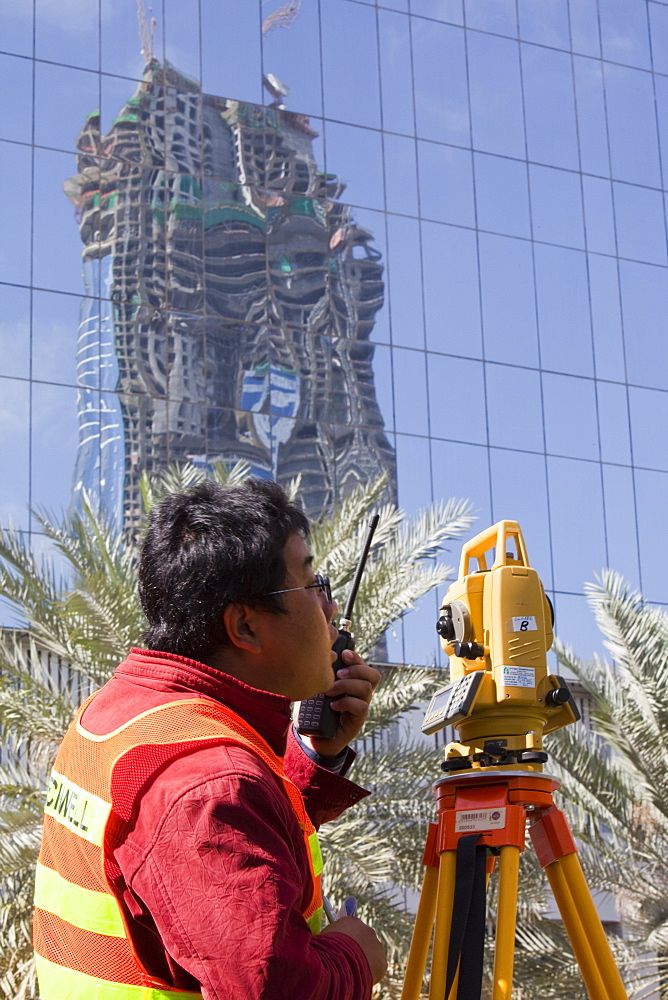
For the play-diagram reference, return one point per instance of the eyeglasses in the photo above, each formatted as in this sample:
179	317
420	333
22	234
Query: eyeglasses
321	582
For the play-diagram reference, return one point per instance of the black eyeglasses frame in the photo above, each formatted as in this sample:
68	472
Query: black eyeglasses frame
321	582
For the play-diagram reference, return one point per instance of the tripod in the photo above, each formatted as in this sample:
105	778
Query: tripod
481	815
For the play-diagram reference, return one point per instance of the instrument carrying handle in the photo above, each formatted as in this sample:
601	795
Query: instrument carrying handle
495	537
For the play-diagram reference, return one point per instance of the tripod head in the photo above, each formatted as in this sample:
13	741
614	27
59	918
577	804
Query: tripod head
496	627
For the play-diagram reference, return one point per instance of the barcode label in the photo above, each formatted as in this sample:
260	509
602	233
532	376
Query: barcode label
480	820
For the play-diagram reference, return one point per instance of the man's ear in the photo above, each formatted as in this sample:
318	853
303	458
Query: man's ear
240	622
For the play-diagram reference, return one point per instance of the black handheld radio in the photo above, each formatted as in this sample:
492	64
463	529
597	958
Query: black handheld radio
316	717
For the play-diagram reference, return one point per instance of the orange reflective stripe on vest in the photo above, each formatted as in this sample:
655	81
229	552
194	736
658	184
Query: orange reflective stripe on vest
82	944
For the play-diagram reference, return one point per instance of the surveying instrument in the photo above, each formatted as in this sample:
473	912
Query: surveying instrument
496	627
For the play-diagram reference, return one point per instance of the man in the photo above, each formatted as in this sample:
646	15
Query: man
179	857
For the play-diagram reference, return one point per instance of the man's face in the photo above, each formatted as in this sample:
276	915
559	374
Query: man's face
300	643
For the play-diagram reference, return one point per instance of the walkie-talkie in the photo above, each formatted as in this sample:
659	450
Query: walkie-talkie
316	717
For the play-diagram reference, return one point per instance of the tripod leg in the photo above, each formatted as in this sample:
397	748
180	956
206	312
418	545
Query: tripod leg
584	927
572	919
506	917
446	894
424	923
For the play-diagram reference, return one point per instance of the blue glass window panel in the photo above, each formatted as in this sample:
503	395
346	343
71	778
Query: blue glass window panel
564	318
401	188
413	479
356	156
641	230
15	176
576	626
620	522
120	40
294	57
73	40
613	423
451	289
422	643
649	421
410	391
374	222
64	98
658	22
451	11
576	516
544	22
181	27
652	503
508	300
396	72
456	399
519	493
446	184
17	27
231	50
599	215
556	204
397	4
16	114
571	424
14	452
502	195
351	91
661	90
625	32
394	639
405	281
514	408
55	326
592	128
15	331
549	104
499	16
496	95
55	225
439	72
114	93
382	377
634	150
462	470
606	318
54	446
585	34
644	297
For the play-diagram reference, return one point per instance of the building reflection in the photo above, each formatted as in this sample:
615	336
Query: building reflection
230	300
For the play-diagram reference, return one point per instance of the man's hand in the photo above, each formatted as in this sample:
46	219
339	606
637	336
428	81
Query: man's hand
352	690
367	940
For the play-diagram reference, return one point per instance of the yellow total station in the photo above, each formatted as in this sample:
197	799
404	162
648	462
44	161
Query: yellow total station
496	626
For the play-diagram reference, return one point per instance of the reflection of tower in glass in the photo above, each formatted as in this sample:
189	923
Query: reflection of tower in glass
237	297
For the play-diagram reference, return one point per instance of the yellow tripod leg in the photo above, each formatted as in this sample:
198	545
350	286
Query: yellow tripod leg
443	924
587	926
424	924
504	953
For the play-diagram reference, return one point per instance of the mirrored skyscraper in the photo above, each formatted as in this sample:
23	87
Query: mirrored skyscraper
230	298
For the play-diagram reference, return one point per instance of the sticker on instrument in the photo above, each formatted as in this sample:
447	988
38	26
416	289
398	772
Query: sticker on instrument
479	820
522	623
518	677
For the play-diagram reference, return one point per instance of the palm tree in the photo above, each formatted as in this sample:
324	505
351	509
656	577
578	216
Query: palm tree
614	774
79	626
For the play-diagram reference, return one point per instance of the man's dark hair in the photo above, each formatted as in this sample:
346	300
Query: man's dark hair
207	548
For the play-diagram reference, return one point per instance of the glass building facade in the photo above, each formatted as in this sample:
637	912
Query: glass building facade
336	238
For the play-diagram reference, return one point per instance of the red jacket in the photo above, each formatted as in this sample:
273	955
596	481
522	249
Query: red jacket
214	871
